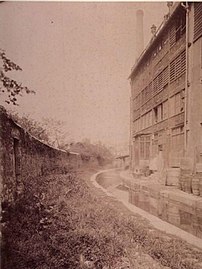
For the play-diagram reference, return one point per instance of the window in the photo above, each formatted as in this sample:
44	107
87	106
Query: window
142	148
155	115
178	66
155	145
135	126
145	147
172	71
143	122
144	95
147	119
177	103
178	140
159	113
155	85
150	118
197	20
165	110
178	28
137	101
172	35
150	89
180	25
160	81
140	123
165	76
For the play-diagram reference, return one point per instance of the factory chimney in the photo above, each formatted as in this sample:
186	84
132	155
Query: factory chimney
139	32
169	5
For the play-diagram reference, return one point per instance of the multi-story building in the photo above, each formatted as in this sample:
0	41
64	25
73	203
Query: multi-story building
166	94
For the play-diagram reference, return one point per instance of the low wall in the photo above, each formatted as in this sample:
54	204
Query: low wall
168	203
24	157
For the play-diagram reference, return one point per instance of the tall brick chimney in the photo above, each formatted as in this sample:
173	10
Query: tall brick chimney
139	32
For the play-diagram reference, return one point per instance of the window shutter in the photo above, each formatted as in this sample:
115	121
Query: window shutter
172	35
197	20
172	71
178	66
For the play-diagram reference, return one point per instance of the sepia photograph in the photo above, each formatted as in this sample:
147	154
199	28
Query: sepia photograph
101	134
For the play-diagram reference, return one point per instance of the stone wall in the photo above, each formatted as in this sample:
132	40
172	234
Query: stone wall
23	157
168	203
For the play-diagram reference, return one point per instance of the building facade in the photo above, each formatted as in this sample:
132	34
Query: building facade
166	94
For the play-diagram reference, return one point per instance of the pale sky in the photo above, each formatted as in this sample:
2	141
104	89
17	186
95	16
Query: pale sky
77	57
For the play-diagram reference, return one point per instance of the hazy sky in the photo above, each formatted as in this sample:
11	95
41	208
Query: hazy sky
77	57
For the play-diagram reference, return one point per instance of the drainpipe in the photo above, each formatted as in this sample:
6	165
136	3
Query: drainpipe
131	135
186	7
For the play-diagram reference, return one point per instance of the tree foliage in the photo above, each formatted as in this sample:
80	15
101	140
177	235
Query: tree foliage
52	132
57	134
48	130
10	87
32	126
89	150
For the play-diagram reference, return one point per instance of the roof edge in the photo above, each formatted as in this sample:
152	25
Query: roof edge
153	39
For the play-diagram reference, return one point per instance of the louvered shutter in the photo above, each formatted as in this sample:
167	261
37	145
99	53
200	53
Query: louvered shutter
172	35
178	67
197	20
183	62
165	76
172	71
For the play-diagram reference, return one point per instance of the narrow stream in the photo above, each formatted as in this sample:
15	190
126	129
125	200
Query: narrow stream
110	182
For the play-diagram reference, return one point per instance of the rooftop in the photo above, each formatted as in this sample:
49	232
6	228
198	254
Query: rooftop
156	37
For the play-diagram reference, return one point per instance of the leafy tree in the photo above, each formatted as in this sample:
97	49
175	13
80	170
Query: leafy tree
58	136
48	130
97	151
32	126
10	87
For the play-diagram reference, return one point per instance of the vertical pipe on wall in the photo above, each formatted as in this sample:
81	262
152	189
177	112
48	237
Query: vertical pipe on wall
186	6
131	133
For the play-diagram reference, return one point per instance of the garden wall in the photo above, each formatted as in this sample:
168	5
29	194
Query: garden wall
23	157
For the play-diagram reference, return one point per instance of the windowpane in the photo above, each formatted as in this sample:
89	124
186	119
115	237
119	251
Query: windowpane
165	110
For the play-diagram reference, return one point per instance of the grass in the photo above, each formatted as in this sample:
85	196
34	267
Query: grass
60	220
